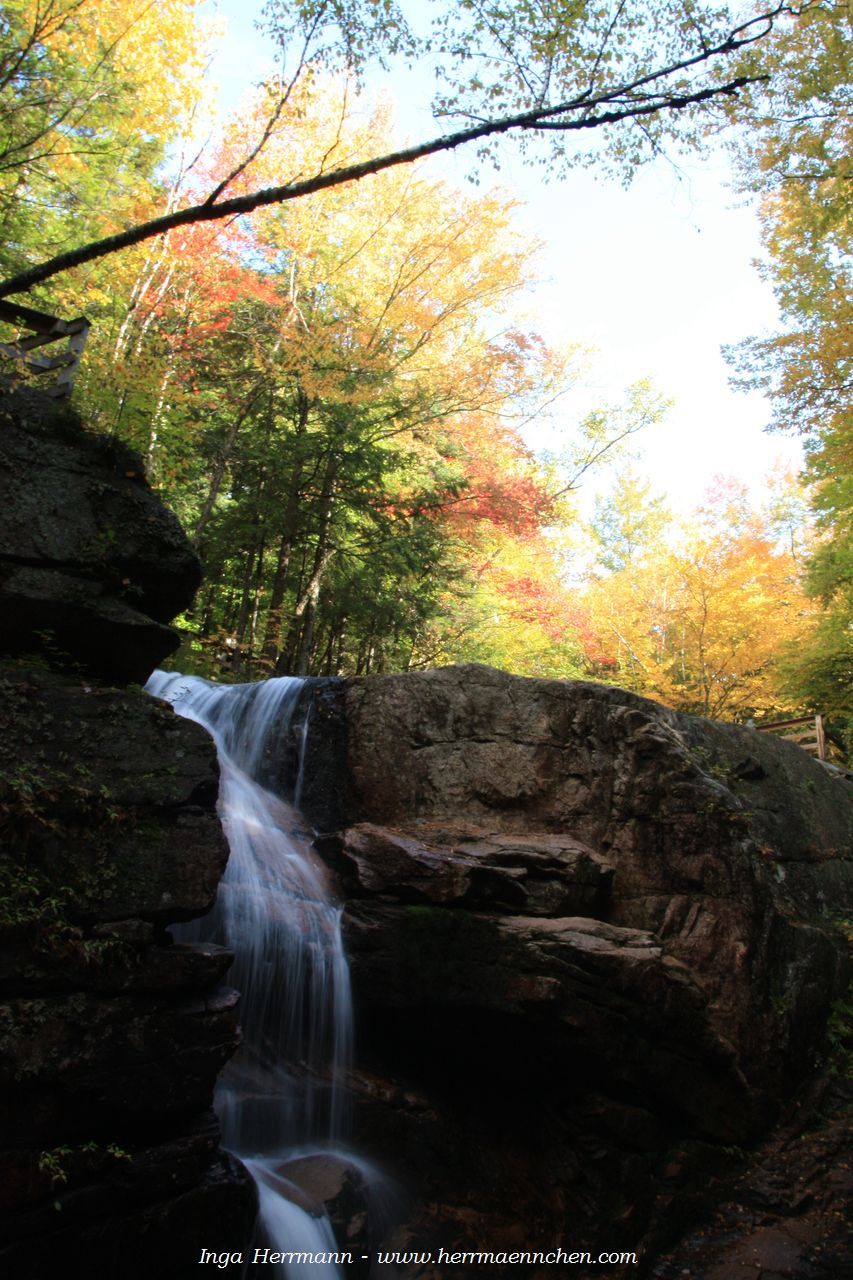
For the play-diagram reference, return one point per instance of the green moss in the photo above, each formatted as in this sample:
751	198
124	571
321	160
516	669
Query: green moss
442	920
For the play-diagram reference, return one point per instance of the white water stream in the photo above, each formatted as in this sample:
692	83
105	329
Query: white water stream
280	1097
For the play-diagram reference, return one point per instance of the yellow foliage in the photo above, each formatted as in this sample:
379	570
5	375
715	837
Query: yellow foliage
390	276
702	625
155	48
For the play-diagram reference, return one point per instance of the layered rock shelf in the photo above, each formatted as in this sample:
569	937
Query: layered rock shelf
593	943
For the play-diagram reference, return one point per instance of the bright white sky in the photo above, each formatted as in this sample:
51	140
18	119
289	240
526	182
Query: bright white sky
656	278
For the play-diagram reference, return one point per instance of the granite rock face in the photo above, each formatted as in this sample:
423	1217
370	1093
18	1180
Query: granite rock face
592	941
587	935
90	559
730	849
111	1034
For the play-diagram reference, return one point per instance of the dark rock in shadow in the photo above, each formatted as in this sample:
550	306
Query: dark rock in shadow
90	559
111	1036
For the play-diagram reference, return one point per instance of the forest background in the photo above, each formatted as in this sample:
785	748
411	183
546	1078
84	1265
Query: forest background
338	395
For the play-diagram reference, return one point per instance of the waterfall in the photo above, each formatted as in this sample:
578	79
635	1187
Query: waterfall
281	1096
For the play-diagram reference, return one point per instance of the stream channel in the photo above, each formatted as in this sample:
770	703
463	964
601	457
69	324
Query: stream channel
280	1100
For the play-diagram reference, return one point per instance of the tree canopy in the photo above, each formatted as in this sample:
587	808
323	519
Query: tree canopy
629	75
800	165
333	392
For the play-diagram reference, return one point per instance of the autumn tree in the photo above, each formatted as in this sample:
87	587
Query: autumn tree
629	522
353	390
799	164
93	95
325	392
702	616
628	78
91	92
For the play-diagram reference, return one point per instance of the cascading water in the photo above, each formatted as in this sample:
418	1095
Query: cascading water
281	1095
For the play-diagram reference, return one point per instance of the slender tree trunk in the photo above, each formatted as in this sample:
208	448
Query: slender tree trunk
302	625
272	639
155	423
153	261
303	653
256	599
218	473
342	639
324	664
246	594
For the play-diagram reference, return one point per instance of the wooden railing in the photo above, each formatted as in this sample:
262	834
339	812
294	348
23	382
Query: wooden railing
811	739
44	329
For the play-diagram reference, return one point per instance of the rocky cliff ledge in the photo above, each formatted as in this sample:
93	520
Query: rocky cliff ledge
594	948
111	1036
593	943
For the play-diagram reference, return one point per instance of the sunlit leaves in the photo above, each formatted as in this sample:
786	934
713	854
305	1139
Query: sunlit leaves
336	397
91	92
629	523
589	58
337	35
703	615
671	65
800	162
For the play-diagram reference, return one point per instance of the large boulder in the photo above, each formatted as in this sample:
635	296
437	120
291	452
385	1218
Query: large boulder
111	1034
586	934
731	849
92	565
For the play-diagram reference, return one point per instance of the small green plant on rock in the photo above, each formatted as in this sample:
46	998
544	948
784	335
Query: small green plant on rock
52	1164
63	1163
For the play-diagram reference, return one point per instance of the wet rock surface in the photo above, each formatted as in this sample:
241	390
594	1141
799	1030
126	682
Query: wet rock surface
332	1184
594	949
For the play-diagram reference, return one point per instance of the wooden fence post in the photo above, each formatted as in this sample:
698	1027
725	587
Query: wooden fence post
821	737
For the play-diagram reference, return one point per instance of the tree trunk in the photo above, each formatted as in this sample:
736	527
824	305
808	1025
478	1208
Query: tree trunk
298	648
272	639
221	463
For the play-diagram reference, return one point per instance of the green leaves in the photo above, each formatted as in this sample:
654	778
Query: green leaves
621	81
337	35
799	162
